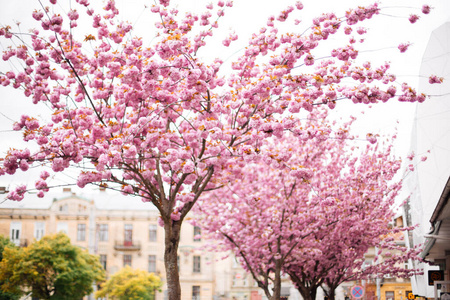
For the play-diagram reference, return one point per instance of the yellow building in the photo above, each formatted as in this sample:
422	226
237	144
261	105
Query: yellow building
121	230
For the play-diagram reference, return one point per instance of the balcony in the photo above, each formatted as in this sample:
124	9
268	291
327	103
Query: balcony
20	242
127	246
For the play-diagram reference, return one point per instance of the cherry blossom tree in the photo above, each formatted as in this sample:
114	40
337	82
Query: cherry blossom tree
339	252
158	122
315	223
264	213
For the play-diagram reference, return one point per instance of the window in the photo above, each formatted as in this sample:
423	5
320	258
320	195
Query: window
196	292
15	229
390	295
62	227
196	266
127	260
103	260
102	232
128	235
152	263
197	234
244	280
236	263
152	232
39	230
81	232
64	207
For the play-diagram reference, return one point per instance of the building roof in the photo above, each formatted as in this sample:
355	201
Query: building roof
442	210
437	243
103	200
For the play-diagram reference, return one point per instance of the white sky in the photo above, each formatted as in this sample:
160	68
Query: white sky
248	16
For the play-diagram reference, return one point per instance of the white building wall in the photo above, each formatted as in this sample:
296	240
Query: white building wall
431	132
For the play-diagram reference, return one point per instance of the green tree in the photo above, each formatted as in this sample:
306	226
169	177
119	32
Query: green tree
15	293
51	268
130	284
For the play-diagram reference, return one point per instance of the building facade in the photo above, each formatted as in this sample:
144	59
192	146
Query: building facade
119	235
429	185
125	231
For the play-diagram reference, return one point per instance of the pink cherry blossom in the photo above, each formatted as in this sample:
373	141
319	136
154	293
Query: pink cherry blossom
426	9
299	5
413	18
18	194
403	47
434	79
37	15
371	138
44	175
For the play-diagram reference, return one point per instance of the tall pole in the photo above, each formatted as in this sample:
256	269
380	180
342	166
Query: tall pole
378	280
92	244
378	288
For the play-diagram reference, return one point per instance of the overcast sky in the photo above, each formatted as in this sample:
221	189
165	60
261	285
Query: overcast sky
247	16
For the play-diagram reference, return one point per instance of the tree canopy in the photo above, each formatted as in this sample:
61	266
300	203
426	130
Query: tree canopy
15	293
130	284
279	218
51	268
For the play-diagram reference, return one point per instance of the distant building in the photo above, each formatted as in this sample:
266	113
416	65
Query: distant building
429	183
125	231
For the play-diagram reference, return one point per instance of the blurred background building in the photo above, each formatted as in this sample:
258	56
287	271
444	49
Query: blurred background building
429	184
126	233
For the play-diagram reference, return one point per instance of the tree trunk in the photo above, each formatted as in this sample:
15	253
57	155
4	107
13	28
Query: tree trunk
332	293
330	290
307	290
172	239
308	293
276	295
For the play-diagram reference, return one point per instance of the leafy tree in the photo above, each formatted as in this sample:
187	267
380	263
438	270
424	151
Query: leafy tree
5	242
128	283
15	294
307	211
160	122
51	268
